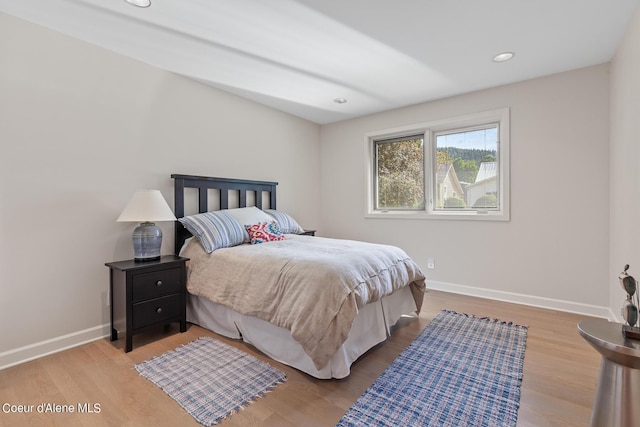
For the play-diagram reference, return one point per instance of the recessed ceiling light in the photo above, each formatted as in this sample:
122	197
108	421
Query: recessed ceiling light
340	100
504	56
139	3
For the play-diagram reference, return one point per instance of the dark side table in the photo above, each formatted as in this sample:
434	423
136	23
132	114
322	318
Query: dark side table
617	400
145	294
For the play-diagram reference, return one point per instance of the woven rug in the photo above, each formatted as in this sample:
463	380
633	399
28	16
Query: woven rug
209	379
460	371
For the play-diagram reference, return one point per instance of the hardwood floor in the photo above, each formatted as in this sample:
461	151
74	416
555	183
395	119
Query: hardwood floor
560	374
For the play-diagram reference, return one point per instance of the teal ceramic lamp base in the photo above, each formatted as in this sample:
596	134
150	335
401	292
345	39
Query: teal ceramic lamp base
147	241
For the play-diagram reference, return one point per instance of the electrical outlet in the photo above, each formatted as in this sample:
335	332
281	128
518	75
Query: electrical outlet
431	263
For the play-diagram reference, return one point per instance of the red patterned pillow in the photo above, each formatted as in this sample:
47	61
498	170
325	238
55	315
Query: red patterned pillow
264	232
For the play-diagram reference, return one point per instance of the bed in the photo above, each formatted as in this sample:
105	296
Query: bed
313	303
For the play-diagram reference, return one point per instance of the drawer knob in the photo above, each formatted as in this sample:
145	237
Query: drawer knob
159	310
159	283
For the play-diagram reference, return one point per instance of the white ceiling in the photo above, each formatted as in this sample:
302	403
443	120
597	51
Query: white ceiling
299	55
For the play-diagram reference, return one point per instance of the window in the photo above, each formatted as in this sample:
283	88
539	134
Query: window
400	173
456	169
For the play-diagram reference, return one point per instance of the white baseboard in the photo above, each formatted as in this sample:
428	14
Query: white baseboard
53	345
549	303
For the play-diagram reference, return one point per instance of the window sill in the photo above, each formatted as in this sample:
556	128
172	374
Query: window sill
456	216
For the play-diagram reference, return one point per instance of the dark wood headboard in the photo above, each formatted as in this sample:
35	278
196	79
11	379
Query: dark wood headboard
224	185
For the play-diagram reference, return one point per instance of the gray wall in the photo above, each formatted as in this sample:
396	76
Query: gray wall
81	129
554	251
625	168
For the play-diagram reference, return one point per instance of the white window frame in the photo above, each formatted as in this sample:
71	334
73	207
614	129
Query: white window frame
428	129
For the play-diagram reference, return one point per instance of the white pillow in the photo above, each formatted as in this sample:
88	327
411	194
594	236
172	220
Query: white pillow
249	216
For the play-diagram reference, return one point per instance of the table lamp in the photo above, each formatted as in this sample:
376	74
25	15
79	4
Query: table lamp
146	207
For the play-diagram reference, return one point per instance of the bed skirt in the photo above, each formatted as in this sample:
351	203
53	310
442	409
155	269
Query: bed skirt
370	327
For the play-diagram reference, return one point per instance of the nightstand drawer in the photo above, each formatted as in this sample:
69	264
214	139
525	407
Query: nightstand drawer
155	311
156	284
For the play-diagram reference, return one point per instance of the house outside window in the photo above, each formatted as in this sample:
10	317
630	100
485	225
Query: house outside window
456	168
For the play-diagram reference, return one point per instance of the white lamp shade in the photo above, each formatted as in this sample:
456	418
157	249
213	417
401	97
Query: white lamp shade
146	206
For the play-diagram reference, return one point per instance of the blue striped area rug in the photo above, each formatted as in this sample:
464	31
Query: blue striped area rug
461	370
210	379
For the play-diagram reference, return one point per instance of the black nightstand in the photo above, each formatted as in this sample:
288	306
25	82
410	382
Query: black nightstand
308	233
145	294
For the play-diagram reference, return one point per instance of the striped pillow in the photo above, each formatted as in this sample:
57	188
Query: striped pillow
215	230
287	224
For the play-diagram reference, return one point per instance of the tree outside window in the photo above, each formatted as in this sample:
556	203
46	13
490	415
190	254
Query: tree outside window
400	173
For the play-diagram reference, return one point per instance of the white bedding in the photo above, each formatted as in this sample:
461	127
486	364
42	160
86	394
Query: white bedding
327	297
